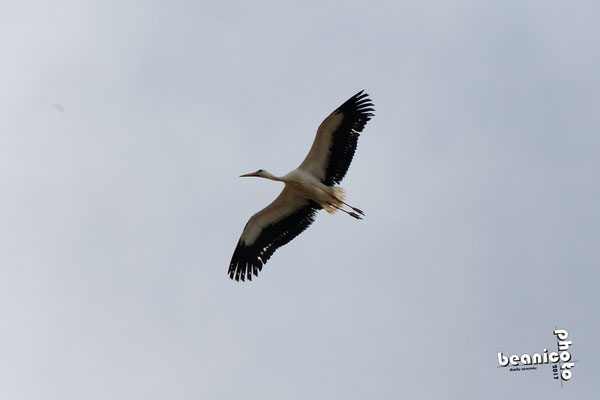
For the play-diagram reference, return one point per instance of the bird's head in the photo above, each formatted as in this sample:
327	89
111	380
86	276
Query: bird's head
260	173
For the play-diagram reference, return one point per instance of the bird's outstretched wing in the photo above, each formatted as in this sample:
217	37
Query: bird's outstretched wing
336	140
267	230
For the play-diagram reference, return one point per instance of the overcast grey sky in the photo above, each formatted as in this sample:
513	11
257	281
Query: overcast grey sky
124	127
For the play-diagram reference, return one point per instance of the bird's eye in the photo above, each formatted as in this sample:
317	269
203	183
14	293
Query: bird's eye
260	170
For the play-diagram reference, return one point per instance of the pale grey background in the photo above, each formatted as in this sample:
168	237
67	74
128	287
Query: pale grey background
124	127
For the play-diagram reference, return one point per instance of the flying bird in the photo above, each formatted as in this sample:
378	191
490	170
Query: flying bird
308	189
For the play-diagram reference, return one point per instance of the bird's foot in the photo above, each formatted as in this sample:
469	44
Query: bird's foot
357	210
355	215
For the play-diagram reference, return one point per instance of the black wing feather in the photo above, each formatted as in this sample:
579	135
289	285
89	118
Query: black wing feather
357	112
249	259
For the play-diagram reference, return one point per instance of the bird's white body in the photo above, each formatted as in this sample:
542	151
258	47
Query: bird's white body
307	185
310	187
300	186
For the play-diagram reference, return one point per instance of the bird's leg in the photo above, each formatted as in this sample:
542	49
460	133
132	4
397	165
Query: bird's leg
347	212
354	208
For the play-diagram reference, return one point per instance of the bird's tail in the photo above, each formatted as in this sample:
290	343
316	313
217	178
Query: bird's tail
338	194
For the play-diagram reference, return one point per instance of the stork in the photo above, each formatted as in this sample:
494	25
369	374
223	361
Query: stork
308	189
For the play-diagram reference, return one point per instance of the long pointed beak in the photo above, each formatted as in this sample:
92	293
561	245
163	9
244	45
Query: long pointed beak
250	174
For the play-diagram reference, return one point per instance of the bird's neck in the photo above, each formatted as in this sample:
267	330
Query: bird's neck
268	175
